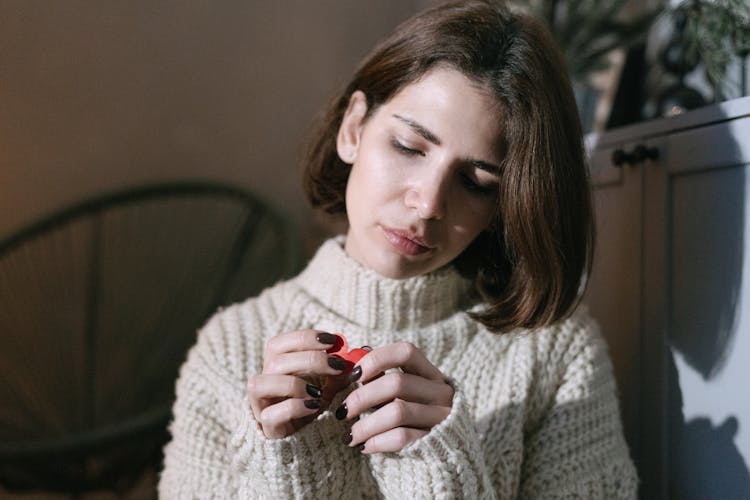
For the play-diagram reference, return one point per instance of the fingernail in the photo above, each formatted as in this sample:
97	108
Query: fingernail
336	363
312	403
367	348
313	391
361	447
327	338
355	374
342	411
347	438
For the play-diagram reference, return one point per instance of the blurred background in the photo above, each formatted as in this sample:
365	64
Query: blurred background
97	96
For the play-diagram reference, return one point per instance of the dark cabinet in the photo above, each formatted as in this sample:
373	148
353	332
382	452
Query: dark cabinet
671	289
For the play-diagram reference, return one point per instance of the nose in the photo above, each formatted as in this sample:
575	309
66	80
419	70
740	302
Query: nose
428	197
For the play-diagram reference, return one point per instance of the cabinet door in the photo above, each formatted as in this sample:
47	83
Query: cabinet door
614	288
697	315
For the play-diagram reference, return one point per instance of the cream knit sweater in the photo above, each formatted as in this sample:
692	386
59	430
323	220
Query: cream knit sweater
534	413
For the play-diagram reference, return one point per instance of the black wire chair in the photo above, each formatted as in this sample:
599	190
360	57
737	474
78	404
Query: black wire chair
98	306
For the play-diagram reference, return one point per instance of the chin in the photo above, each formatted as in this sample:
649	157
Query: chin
388	267
387	262
400	270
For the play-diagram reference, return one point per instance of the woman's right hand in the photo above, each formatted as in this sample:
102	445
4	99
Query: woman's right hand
281	400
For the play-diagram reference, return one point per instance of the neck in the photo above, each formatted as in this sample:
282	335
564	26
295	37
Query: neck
364	297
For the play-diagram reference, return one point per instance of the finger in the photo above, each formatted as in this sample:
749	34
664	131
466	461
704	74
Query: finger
280	386
276	420
264	390
404	355
395	414
304	363
299	340
393	440
393	386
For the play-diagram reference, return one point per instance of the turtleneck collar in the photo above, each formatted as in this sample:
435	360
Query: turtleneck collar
368	299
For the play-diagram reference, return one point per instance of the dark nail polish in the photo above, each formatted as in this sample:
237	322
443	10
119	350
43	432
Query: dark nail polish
347	438
327	338
314	391
366	348
336	363
341	412
355	374
312	403
361	447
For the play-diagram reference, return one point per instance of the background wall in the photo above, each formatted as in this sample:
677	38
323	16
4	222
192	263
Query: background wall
95	96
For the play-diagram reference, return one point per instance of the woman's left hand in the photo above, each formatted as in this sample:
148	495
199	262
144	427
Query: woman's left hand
408	404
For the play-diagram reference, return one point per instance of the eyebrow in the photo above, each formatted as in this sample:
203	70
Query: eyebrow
419	129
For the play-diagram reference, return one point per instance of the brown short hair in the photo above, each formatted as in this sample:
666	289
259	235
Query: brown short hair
530	264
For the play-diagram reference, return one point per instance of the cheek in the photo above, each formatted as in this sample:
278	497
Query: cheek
486	216
376	179
363	190
474	215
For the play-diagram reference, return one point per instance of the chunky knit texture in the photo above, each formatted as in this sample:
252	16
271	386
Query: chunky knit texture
534	415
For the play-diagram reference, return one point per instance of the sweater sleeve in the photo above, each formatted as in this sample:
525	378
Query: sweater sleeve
577	448
446	463
197	462
219	451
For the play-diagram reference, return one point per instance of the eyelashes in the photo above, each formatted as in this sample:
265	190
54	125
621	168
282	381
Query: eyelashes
473	186
401	148
466	180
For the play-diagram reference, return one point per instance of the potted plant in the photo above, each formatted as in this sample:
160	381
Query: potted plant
590	32
717	35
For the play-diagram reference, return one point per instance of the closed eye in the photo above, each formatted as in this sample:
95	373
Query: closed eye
470	184
401	148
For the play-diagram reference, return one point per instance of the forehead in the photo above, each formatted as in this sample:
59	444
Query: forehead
449	103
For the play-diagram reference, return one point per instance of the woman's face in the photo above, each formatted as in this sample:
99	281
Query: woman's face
425	172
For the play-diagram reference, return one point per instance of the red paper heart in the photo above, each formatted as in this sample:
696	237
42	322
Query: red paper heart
340	349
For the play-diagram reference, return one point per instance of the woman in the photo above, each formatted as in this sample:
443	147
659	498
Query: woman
455	155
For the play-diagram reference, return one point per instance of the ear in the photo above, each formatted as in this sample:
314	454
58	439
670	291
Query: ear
350	130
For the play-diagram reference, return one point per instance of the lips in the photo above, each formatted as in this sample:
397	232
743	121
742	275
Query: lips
406	242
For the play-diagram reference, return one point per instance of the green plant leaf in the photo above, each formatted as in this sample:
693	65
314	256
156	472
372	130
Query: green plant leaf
588	30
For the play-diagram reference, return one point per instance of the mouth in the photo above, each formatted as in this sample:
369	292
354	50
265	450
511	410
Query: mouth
406	242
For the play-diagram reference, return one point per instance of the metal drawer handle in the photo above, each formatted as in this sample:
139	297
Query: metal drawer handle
639	154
